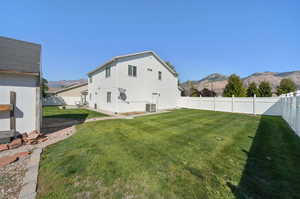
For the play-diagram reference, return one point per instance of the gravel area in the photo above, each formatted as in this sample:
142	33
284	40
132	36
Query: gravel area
11	178
11	175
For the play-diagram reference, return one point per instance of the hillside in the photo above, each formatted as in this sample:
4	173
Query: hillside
217	82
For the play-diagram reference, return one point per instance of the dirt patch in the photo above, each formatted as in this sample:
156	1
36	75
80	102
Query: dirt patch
132	113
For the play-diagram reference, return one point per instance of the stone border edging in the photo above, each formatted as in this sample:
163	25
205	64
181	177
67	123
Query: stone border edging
28	190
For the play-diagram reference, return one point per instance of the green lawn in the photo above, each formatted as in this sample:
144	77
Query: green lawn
181	154
55	112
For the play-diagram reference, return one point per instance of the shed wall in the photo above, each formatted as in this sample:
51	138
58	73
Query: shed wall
26	99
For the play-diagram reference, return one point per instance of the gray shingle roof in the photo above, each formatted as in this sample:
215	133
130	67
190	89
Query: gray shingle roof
19	56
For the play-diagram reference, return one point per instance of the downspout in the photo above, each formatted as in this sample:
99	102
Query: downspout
117	89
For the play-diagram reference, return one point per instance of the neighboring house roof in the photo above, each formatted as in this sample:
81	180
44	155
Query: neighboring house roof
180	88
84	92
19	56
131	55
71	87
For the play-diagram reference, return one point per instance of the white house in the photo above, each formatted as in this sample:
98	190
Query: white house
129	83
20	98
72	95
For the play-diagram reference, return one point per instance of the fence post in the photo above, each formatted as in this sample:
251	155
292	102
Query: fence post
285	107
232	103
290	99
254	104
297	122
214	103
281	105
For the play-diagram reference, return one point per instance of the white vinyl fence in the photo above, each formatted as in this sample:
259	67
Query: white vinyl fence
250	105
287	106
291	110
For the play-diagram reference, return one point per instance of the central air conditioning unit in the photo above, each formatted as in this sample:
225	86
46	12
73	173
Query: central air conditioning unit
151	108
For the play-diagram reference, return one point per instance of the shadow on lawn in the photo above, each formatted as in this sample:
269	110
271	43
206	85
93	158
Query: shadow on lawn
77	116
273	164
58	122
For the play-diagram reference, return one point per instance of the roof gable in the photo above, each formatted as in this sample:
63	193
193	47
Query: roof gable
117	58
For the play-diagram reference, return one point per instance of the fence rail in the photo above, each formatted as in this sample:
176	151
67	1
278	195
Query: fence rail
287	106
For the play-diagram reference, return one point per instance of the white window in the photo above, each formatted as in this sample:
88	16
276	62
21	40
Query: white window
159	75
91	79
108	98
90	96
107	72
132	71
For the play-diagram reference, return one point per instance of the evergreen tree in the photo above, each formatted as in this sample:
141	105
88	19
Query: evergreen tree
195	92
252	90
286	86
234	87
264	89
207	93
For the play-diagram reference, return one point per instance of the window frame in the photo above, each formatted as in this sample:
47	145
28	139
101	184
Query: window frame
107	72
159	75
132	71
108	97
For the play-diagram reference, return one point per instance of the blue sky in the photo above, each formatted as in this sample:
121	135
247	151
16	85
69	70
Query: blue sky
198	37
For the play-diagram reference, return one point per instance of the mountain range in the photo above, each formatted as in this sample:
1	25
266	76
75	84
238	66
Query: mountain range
57	85
217	82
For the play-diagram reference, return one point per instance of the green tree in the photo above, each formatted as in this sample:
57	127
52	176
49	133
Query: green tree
234	87
264	89
207	93
194	92
252	90
286	86
44	87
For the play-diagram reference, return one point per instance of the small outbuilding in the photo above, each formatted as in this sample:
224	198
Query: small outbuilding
20	81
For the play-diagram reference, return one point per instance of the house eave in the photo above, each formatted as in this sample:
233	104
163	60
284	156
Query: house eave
18	72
